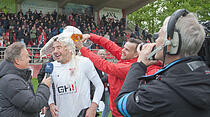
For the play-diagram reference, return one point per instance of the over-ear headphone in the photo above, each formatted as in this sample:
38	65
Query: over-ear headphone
173	41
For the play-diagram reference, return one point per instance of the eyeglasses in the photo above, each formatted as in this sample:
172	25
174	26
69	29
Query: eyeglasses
76	37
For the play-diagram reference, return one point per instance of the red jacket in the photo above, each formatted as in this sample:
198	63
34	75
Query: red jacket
117	72
44	39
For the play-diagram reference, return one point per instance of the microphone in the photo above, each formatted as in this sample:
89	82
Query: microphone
48	69
151	56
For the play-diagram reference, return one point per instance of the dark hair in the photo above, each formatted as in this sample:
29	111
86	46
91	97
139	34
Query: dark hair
13	51
136	41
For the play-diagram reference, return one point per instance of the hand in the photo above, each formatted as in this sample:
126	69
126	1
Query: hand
144	52
78	43
85	37
54	110
91	112
43	110
47	81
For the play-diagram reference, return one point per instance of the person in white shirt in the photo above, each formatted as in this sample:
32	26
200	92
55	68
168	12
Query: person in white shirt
71	75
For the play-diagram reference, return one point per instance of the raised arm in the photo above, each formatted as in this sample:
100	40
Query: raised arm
110	68
107	44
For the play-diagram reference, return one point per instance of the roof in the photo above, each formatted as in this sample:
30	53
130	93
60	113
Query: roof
128	6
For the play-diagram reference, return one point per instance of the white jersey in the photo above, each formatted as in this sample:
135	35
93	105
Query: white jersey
72	86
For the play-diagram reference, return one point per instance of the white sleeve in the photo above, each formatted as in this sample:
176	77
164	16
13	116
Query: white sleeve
51	100
95	79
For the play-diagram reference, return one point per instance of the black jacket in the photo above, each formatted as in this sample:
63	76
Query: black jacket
181	89
17	98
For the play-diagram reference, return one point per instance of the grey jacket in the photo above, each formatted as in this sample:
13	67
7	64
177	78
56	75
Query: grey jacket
17	97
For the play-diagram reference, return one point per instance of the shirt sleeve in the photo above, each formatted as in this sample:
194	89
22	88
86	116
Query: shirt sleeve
120	70
95	79
107	44
51	100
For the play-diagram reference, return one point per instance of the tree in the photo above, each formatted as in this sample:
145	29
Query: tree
153	14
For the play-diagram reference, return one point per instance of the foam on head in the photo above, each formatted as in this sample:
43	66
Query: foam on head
64	38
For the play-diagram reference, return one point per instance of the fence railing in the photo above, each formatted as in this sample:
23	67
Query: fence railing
34	54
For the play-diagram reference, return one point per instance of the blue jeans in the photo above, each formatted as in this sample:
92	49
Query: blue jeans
106	110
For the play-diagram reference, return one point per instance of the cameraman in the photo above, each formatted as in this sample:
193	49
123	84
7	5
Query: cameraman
182	87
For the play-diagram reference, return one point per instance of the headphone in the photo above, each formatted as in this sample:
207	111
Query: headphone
173	44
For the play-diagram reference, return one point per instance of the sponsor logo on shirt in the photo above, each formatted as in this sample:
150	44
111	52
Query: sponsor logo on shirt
67	89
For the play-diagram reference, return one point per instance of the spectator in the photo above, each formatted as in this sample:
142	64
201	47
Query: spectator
177	90
17	97
50	21
54	15
60	29
133	35
42	39
12	35
104	78
117	72
1	42
6	37
5	22
107	35
54	31
27	39
120	40
144	33
2	30
19	34
137	30
49	34
112	37
124	38
33	34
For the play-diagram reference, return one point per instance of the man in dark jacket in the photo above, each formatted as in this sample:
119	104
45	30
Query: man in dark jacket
182	87
17	98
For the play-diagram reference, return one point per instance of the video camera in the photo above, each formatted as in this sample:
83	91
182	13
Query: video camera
148	36
205	49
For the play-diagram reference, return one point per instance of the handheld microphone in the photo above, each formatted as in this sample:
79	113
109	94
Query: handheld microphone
48	69
151	56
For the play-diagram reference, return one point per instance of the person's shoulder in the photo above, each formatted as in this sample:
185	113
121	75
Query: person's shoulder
11	78
83	60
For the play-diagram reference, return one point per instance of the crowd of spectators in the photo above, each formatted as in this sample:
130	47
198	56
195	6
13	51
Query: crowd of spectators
35	29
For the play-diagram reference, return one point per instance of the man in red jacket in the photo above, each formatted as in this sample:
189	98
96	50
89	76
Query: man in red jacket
117	72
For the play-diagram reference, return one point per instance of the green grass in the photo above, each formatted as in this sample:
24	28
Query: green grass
35	85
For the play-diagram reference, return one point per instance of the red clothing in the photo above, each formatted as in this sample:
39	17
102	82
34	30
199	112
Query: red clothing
44	39
116	72
6	37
